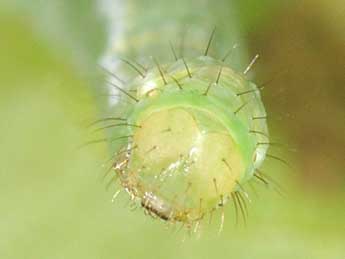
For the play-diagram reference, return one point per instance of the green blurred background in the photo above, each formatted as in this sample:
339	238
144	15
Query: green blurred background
53	202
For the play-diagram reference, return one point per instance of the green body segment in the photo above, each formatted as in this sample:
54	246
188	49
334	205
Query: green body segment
138	35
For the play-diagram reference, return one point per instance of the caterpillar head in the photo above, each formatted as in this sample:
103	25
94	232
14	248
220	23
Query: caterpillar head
195	140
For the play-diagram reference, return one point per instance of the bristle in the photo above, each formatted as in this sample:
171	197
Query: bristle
112	74
258	132
117	125
130	64
278	159
106	119
177	82
187	68
209	42
208	88
160	71
235	206
123	91
239	201
173	50
219	74
240	108
251	64
259	118
249	91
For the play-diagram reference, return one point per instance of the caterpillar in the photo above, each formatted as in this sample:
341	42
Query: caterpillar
186	134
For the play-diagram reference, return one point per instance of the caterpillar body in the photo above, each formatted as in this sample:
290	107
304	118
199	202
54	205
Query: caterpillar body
192	136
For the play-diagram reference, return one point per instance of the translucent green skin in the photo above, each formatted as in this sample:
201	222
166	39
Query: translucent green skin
222	100
210	152
144	29
194	145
